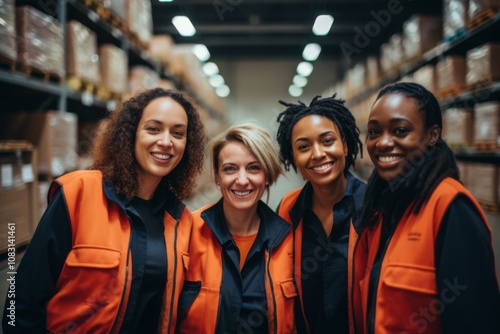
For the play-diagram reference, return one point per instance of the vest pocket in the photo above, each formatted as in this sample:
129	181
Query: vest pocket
288	288
93	257
405	292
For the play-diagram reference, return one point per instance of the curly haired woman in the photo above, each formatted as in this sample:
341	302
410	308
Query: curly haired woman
109	253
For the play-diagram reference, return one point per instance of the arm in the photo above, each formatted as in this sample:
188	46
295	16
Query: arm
39	270
465	272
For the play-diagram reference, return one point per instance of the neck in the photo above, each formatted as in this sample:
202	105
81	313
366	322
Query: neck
242	222
328	195
146	189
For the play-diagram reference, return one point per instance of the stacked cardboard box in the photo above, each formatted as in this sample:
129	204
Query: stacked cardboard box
454	17
421	33
82	57
8	30
483	64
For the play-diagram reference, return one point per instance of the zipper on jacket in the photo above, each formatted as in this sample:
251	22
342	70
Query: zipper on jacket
220	293
124	284
275	320
175	276
353	279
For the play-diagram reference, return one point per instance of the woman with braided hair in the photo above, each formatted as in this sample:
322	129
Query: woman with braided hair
424	263
321	141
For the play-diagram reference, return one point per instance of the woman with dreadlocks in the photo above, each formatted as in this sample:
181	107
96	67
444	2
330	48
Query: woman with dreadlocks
430	266
321	141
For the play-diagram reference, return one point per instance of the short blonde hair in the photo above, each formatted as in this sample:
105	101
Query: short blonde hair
257	140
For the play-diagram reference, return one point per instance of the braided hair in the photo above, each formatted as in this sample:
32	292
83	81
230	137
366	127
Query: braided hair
414	187
330	108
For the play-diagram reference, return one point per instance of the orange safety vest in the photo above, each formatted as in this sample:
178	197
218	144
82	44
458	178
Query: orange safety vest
206	267
91	293
408	272
286	205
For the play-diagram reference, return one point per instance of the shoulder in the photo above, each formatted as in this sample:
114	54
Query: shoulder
292	195
198	220
83	176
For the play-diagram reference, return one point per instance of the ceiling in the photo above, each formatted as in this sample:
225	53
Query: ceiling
280	29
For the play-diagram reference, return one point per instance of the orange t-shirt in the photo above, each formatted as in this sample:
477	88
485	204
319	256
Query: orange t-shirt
244	243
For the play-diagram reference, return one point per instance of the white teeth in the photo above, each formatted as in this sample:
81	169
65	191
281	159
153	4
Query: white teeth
323	167
162	156
241	193
389	158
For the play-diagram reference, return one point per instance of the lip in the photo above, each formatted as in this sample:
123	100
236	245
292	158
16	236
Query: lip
242	193
387	161
161	157
323	168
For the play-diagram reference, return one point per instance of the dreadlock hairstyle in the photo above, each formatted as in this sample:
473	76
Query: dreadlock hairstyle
330	108
413	187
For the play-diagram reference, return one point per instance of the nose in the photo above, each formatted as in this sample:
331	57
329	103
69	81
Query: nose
385	142
164	139
317	152
242	178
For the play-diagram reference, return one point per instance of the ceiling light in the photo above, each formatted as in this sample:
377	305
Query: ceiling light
222	91
183	26
201	52
322	25
305	69
216	81
295	91
299	81
165	0
311	51
210	69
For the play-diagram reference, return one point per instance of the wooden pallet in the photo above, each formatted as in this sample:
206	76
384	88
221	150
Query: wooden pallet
490	207
458	147
105	94
481	17
483	84
34	72
81	85
143	46
485	146
116	22
449	92
7	63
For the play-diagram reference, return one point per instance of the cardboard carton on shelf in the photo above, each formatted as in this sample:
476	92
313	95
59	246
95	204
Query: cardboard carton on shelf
483	65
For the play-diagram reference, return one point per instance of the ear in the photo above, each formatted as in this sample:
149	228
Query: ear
217	180
344	145
433	135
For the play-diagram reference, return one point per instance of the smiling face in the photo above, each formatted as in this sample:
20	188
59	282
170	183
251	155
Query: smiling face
318	150
160	140
396	134
241	177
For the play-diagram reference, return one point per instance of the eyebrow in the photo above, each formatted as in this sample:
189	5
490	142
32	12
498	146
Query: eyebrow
159	122
320	135
393	120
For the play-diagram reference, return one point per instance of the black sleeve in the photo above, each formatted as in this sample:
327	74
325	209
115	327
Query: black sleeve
39	270
465	272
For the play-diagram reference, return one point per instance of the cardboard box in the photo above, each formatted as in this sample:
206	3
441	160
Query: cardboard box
421	33
485	184
487	122
483	64
450	72
82	58
458	126
454	17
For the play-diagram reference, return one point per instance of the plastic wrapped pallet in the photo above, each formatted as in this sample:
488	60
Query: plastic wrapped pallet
386	63
483	64
476	7
421	33
372	70
454	17
397	52
140	20
487	122
450	72
114	68
458	127
53	133
8	30
117	9
40	41
160	47
426	76
82	57
141	78
485	184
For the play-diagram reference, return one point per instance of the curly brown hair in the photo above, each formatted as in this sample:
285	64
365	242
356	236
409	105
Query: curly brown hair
113	146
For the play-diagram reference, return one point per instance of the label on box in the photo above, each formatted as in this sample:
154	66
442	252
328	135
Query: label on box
27	173
7	176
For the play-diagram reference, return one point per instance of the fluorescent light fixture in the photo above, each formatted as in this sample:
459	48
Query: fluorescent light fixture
299	81
183	26
222	91
295	91
322	25
311	51
305	69
216	80
165	0
201	52
210	69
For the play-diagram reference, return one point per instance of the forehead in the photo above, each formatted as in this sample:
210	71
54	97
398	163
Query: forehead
396	105
235	151
164	109
313	124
